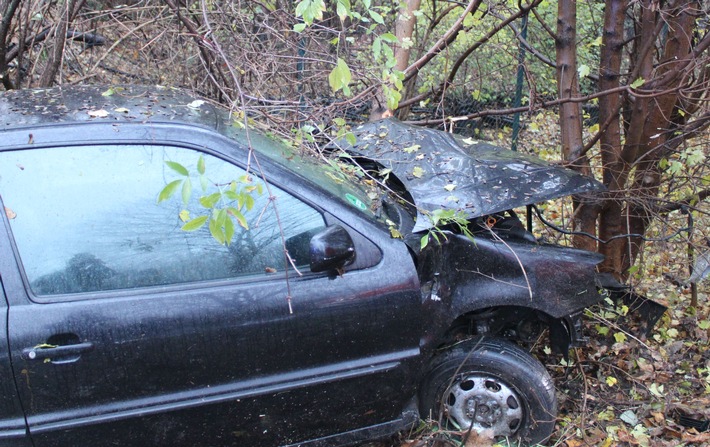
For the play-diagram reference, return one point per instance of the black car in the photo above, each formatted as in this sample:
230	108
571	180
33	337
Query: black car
171	278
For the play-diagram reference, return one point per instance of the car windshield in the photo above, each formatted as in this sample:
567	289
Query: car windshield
326	173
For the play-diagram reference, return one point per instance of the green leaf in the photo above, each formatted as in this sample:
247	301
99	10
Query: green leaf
186	190
393	96
232	195
376	16
228	231
194	224
389	37
424	241
340	77
299	27
169	190
241	220
343	9
211	200
201	165
377	47
638	83
417	172
177	167
583	71
310	10
217	232
184	215
248	202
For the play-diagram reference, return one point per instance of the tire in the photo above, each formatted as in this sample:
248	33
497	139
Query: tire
494	385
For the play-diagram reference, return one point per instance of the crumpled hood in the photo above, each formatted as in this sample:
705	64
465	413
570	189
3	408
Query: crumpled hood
446	171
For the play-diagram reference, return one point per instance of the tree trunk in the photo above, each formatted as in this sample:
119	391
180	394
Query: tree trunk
663	119
571	116
614	168
59	34
404	30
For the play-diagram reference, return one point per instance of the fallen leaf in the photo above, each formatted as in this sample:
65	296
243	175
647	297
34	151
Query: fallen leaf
417	172
10	213
629	417
97	113
121	110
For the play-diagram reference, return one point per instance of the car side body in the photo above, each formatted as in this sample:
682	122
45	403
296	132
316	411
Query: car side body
107	337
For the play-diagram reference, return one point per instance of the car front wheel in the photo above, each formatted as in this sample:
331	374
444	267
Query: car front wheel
493	387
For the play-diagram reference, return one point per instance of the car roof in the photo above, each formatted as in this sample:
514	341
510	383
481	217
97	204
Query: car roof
72	104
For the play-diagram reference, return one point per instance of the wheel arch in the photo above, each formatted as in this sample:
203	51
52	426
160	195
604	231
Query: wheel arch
518	323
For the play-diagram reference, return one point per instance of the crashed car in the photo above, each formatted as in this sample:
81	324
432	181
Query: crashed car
172	278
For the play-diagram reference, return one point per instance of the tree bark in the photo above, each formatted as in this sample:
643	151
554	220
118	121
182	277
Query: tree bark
663	119
571	117
404	30
614	168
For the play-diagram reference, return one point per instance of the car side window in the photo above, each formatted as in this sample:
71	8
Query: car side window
89	218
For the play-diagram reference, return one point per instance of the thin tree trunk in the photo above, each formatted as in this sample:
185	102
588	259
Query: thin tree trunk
404	29
610	219
59	34
571	116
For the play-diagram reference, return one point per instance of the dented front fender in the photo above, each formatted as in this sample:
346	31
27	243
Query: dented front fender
461	276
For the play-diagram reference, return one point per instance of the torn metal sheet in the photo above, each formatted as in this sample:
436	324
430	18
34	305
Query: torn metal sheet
447	171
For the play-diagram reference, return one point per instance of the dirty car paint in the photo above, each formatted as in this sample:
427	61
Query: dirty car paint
446	171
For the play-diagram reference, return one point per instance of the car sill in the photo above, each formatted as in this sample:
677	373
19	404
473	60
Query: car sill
218	394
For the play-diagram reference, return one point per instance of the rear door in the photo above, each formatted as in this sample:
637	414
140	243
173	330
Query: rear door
127	330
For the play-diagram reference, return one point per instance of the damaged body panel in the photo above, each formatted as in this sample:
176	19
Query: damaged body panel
446	171
474	278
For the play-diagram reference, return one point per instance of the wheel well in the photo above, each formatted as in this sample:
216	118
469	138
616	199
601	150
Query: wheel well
519	324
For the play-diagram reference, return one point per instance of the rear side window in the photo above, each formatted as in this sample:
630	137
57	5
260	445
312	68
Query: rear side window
89	218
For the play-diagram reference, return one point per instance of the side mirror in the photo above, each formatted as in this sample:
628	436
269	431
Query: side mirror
331	249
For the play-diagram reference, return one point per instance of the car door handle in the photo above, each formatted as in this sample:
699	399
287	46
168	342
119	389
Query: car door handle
63	352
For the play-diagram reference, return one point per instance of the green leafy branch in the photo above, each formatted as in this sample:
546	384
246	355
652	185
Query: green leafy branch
225	207
441	219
